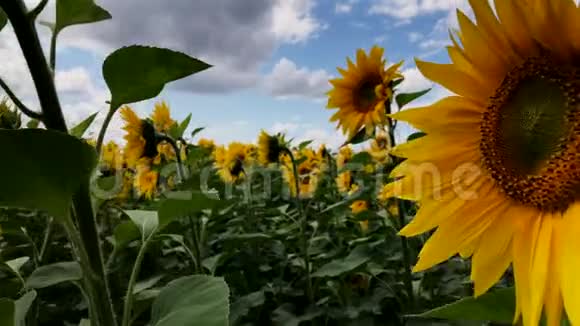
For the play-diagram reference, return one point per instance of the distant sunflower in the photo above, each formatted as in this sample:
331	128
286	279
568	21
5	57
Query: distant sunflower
507	155
206	144
139	139
344	156
111	156
309	172
269	148
360	94
380	147
345	182
230	162
359	206
145	181
162	117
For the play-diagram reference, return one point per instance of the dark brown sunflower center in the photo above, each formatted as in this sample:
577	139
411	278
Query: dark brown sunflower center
237	168
364	95
531	135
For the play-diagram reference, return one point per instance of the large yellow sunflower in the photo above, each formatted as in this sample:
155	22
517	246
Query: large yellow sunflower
360	94
498	173
162	117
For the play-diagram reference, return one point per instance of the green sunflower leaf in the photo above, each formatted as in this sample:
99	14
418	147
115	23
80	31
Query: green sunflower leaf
197	131
496	306
42	169
13	313
76	12
403	99
360	137
136	73
53	274
178	129
416	135
191	301
3	19
359	255
80	129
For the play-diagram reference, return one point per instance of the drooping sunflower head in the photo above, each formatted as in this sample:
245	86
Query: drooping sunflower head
269	148
162	117
360	94
508	154
251	153
345	183
308	169
139	138
359	206
231	162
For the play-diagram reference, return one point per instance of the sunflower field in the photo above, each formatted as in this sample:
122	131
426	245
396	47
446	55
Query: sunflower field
473	220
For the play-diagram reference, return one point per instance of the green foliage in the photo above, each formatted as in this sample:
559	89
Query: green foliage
191	301
53	274
360	137
80	129
178	130
136	73
416	135
403	99
3	19
44	169
496	306
337	267
13	313
75	12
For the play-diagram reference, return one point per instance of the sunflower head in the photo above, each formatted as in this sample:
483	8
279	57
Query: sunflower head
359	206
344	156
380	148
269	148
10	118
510	138
231	162
139	138
360	94
165	153
309	170
145	179
162	117
111	156
205	143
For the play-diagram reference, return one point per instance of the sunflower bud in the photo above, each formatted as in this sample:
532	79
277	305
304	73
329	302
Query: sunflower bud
10	118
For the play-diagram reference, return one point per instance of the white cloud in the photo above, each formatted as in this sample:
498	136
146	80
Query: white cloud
284	127
342	8
293	21
433	44
415	37
408	9
287	80
414	81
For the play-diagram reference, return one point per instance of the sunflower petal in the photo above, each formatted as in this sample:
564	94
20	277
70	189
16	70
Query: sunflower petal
570	247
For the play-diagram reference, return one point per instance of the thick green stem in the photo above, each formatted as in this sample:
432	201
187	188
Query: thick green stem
103	130
31	114
195	243
128	307
303	226
95	279
407	277
46	241
27	36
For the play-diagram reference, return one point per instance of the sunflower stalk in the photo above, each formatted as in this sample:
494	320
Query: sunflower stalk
408	276
95	280
31	114
303	225
173	143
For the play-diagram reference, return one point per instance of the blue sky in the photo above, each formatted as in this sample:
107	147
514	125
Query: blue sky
272	58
